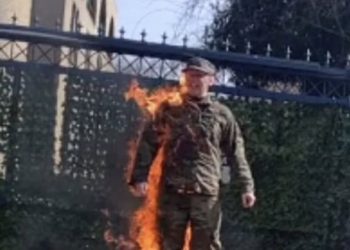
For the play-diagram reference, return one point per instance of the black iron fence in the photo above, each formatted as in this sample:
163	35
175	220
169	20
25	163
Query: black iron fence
64	124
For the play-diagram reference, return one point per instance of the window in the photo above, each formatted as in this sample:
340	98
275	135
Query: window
102	20
111	34
111	28
92	6
74	19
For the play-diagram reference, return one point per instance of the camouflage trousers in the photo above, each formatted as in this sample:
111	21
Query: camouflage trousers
203	212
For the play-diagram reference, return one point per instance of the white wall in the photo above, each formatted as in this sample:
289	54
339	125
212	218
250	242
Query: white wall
22	9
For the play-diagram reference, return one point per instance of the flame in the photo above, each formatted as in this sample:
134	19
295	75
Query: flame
150	102
187	238
145	222
144	227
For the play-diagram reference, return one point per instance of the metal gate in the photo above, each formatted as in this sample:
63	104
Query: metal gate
64	124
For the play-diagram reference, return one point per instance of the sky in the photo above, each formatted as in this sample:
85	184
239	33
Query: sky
159	16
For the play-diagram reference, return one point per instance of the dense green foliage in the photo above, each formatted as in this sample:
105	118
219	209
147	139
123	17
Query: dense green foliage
300	161
299	156
41	210
299	153
320	26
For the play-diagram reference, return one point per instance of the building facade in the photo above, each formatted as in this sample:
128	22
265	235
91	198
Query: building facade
90	16
93	17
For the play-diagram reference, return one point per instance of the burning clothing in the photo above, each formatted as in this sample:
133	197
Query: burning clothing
196	134
181	154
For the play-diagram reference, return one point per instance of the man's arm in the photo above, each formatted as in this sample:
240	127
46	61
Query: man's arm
148	147
243	168
146	152
235	152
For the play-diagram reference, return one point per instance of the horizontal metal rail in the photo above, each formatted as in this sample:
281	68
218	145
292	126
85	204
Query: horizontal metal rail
145	49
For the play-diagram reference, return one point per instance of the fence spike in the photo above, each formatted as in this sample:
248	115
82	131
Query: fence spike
328	58
211	45
122	32
268	50
185	40
215	45
14	19
348	61
164	37
143	35
206	34
289	52
308	55
58	24
227	44
101	30
79	26
248	48
36	21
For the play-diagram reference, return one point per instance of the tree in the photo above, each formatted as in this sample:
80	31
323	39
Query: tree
320	25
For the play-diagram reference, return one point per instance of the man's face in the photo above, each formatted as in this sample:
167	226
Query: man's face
197	83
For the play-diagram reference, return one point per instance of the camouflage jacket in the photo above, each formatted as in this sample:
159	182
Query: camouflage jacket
200	133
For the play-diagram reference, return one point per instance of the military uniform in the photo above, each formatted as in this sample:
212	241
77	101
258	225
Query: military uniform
196	135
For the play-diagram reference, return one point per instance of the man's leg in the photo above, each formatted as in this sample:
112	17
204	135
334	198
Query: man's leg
174	216
205	222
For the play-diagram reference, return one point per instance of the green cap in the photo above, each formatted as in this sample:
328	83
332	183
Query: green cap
200	64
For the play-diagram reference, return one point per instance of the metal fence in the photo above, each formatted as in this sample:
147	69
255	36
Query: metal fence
64	124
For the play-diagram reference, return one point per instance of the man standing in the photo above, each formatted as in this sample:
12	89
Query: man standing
199	133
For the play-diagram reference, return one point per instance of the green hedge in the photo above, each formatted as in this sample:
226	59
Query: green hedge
299	157
300	160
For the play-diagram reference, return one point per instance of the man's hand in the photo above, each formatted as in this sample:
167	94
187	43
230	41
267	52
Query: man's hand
248	200
140	189
108	237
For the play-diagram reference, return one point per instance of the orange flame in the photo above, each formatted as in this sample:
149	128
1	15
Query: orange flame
145	222
187	238
144	228
150	102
